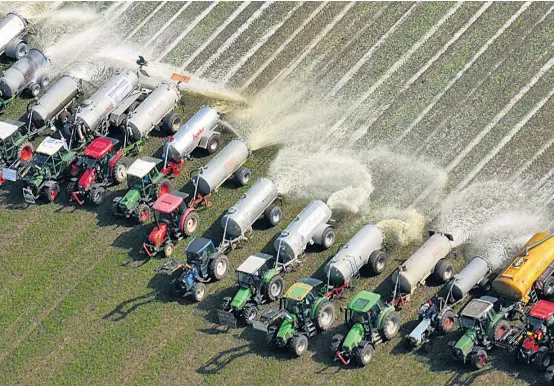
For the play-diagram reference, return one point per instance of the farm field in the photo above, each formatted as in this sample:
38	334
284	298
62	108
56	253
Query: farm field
391	110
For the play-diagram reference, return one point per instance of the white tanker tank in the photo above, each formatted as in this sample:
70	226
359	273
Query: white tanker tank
12	31
257	201
27	73
363	249
54	101
309	227
157	107
199	131
428	259
475	273
228	162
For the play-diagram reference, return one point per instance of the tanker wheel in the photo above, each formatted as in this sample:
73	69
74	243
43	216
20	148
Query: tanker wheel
34	89
96	195
274	288
299	344
478	359
273	214
543	358
377	261
325	315
364	353
142	213
444	271
213	144
190	224
218	267
163	187
119	171
499	330
328	237
51	192
25	152
391	323
172	122
168	249
547	288
243	175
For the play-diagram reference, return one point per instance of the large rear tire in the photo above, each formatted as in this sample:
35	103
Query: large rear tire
547	288
325	315
391	323
275	287
190	223
51	192
119	171
218	267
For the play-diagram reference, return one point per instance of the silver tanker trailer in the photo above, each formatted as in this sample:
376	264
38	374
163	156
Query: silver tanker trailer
311	226
13	29
260	200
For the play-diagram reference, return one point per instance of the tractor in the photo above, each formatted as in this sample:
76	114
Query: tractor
174	221
304	312
483	327
259	282
15	150
147	183
535	345
370	322
50	165
100	166
204	263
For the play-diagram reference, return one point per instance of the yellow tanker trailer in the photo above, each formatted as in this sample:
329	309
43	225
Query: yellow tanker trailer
530	274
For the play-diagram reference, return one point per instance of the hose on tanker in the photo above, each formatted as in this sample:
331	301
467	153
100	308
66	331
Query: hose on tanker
537	243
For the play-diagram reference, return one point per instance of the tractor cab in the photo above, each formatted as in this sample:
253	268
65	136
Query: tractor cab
540	316
169	208
199	251
250	274
365	308
11	140
478	314
143	174
52	156
98	153
300	297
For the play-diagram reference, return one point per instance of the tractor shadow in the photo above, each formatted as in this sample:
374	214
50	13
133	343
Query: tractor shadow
11	196
220	361
132	241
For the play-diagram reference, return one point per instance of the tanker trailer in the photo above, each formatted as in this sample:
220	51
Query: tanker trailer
13	29
364	249
311	226
28	73
429	258
107	107
260	200
199	131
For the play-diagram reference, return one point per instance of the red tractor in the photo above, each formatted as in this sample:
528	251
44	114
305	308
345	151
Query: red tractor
174	221
101	165
535	344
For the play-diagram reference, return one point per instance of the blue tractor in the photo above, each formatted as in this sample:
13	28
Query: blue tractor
204	263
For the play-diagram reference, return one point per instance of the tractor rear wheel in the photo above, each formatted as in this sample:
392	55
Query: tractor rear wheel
172	122
444	271
542	360
168	249
242	175
218	267
299	344
274	288
447	321
391	323
164	186
499	330
377	262
364	353
25	152
336	341
213	144
119	171
328	237
273	214
51	192
478	359
250	312
190	223
96	195
142	214
325	315
199	291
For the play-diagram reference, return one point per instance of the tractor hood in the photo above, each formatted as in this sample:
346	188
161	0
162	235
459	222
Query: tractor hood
88	178
130	199
466	343
241	298
354	337
287	329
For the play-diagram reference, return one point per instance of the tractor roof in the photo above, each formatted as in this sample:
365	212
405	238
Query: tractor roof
50	146
142	166
100	147
542	310
298	291
363	301
477	308
8	128
254	263
198	244
167	203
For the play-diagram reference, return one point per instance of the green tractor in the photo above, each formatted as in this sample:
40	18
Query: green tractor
370	322
259	283
146	184
304	312
483	327
15	150
50	165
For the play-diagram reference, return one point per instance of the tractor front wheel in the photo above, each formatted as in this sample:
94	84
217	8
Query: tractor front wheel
142	213
168	249
542	360
250	313
336	341
364	353
391	323
218	267
199	291
274	288
97	195
226	303
271	335
51	192
325	315
447	321
478	359
299	344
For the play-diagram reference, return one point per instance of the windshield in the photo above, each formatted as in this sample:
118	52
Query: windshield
534	322
359	317
41	159
89	162
244	279
292	306
133	181
467	322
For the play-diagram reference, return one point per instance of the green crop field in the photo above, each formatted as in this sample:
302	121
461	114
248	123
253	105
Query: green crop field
80	304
